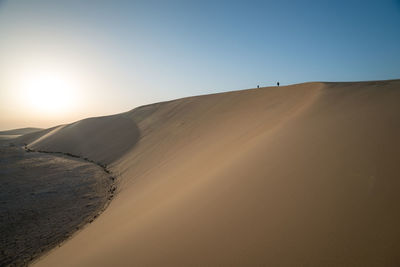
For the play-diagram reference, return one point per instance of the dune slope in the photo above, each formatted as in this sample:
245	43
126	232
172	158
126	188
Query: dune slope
102	139
11	134
305	174
20	131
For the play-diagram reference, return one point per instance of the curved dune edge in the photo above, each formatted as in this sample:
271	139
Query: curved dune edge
46	198
304	174
111	190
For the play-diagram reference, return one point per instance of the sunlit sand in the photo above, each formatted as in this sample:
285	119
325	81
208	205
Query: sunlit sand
303	175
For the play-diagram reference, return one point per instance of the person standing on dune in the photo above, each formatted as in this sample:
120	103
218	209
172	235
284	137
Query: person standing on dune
277	84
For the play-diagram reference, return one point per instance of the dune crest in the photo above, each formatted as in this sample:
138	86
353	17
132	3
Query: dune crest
297	175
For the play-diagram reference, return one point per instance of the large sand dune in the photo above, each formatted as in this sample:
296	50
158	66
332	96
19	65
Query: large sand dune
306	174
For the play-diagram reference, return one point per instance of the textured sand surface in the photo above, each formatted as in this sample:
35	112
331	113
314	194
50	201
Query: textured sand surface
44	198
306	174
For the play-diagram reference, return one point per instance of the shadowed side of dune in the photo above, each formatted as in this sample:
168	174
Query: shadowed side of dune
20	131
30	137
101	139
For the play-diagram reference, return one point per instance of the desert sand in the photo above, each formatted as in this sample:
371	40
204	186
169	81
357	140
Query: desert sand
20	131
44	199
10	134
306	174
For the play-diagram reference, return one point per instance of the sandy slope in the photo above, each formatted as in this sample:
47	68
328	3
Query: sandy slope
20	131
102	139
11	134
299	175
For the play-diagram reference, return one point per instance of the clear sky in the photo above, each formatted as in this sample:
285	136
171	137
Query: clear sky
62	61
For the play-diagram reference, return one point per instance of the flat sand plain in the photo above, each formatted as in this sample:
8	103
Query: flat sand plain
44	199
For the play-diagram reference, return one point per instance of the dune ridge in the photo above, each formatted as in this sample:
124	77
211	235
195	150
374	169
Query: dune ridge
304	174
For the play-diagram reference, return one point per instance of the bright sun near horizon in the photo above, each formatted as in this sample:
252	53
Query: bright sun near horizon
49	92
204	133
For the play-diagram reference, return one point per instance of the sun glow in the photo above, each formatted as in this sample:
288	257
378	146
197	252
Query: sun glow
49	92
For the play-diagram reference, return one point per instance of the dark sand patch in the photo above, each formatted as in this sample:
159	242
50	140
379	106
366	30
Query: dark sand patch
44	199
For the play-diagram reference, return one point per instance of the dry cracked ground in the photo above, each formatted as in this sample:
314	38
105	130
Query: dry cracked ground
44	198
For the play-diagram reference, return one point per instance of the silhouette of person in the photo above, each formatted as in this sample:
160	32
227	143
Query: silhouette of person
277	83
258	86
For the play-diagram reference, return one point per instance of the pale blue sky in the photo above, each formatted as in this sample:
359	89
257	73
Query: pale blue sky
122	54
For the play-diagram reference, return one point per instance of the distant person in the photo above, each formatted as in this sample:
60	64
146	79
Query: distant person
277	83
258	86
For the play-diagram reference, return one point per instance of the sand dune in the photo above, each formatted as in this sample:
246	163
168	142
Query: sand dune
102	139
305	174
20	131
11	134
